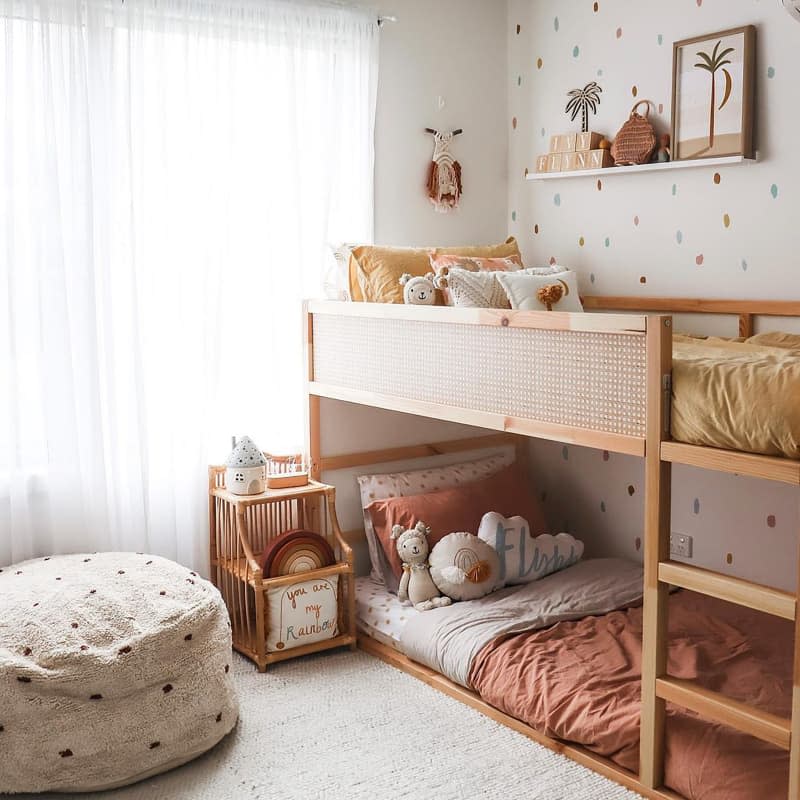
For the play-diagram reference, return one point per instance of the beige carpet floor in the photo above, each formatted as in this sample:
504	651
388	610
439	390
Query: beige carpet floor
344	725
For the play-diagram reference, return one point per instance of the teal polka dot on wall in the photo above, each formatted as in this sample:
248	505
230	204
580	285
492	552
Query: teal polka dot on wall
674	189
600	73
607	242
661	38
555	24
557	199
519	80
770	72
679	237
576	51
543	132
592	277
513	216
696	505
744	265
773	190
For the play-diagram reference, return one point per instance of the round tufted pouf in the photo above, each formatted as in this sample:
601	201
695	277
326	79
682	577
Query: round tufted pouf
113	667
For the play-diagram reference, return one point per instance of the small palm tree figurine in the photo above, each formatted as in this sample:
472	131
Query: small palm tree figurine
581	100
712	64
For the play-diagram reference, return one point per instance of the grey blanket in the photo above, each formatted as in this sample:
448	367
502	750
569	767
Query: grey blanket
447	639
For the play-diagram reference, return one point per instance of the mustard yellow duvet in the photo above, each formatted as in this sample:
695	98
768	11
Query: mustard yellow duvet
738	395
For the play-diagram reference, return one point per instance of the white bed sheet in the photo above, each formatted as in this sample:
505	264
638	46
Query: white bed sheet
379	613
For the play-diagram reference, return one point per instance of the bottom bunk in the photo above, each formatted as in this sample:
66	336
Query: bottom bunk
574	686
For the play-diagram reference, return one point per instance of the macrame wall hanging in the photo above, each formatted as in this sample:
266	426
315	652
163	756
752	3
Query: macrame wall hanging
444	173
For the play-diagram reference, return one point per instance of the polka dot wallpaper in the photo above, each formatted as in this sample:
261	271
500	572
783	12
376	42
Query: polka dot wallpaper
727	232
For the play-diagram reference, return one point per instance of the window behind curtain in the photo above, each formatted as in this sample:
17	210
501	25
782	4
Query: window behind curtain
171	176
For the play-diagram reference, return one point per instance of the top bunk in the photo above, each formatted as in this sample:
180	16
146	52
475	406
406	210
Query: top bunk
601	380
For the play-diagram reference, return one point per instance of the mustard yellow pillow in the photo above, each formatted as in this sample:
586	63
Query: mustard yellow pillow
375	271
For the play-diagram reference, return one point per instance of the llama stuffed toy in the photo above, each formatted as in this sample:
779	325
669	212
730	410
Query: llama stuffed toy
416	585
418	291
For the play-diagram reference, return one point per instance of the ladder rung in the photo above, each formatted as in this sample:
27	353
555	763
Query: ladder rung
771	468
717	707
725	587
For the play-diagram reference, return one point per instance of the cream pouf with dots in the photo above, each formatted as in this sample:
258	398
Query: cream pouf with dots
113	667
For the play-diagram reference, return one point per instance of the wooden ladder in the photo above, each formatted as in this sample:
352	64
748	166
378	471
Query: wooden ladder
659	573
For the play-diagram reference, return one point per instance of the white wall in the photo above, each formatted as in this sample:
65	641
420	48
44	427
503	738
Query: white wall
454	49
623	239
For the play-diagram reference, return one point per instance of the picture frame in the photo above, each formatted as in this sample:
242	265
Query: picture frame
714	119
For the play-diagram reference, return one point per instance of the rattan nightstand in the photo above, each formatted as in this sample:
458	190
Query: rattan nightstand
240	528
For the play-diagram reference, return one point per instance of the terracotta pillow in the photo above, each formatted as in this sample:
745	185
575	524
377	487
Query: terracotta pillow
459	509
420	481
375	271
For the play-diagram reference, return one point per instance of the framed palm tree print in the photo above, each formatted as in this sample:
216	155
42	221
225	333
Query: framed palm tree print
713	80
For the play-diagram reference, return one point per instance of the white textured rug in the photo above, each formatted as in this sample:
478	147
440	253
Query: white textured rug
346	726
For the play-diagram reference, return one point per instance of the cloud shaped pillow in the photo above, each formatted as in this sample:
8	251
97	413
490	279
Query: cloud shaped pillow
525	558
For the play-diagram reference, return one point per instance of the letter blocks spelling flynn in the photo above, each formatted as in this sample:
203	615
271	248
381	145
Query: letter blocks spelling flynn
575	151
273	618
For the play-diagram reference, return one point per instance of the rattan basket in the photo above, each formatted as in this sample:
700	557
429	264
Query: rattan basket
636	139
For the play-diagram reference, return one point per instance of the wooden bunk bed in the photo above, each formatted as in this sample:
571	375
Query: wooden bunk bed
600	380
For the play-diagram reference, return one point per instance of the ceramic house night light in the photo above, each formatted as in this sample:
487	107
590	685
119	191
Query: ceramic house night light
246	468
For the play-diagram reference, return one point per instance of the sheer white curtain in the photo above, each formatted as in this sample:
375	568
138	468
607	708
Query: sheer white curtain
171	174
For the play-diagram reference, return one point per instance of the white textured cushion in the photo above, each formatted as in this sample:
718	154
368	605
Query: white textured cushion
113	667
521	288
336	284
523	556
551	270
464	567
421	481
302	613
476	289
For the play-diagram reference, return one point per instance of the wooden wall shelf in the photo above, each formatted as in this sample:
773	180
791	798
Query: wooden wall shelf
670	165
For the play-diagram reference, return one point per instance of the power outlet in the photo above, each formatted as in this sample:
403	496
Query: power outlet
680	545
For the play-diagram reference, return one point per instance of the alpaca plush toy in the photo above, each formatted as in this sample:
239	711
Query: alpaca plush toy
418	291
416	585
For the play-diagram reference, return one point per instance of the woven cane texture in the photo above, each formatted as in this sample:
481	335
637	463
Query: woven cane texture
587	380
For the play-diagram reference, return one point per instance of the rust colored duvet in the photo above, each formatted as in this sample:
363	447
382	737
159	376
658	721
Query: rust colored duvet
580	682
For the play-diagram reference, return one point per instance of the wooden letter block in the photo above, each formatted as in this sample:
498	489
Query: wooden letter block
587	141
563	143
599	159
574	161
541	163
554	161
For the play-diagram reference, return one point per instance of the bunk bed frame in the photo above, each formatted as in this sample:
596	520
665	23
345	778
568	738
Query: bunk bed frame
356	354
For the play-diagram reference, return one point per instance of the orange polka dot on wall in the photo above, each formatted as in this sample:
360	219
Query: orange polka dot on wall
539	63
